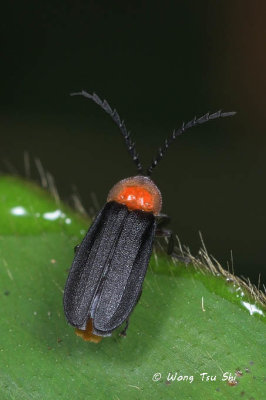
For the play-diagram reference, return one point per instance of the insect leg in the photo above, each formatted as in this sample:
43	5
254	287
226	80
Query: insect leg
162	220
167	234
124	331
76	248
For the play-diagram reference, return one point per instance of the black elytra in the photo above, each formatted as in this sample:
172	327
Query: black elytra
109	267
106	277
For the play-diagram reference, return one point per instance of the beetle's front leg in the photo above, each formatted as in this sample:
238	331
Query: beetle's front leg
167	233
162	220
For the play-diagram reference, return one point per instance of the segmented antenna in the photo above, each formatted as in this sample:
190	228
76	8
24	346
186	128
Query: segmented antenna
177	132
121	124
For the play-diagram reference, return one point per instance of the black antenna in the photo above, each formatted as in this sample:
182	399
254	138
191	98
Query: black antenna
116	118
177	132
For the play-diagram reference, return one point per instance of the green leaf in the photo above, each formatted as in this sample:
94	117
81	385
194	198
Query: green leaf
187	322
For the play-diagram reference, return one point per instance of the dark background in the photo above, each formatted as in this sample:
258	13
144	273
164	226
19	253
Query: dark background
158	63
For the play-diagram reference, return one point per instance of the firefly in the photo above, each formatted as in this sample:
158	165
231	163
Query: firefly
105	280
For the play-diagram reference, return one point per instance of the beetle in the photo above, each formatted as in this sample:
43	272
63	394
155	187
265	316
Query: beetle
105	280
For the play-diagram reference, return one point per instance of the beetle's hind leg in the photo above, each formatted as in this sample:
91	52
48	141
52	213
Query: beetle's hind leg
124	331
76	248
